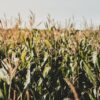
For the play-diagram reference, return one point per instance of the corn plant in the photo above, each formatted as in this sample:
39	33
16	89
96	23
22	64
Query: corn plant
50	64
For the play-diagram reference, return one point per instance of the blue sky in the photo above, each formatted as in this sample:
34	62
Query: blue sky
58	9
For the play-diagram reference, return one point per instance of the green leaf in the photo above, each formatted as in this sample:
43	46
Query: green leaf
46	70
1	95
48	44
90	74
27	78
23	55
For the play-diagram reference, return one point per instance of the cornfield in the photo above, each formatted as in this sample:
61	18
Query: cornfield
49	64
